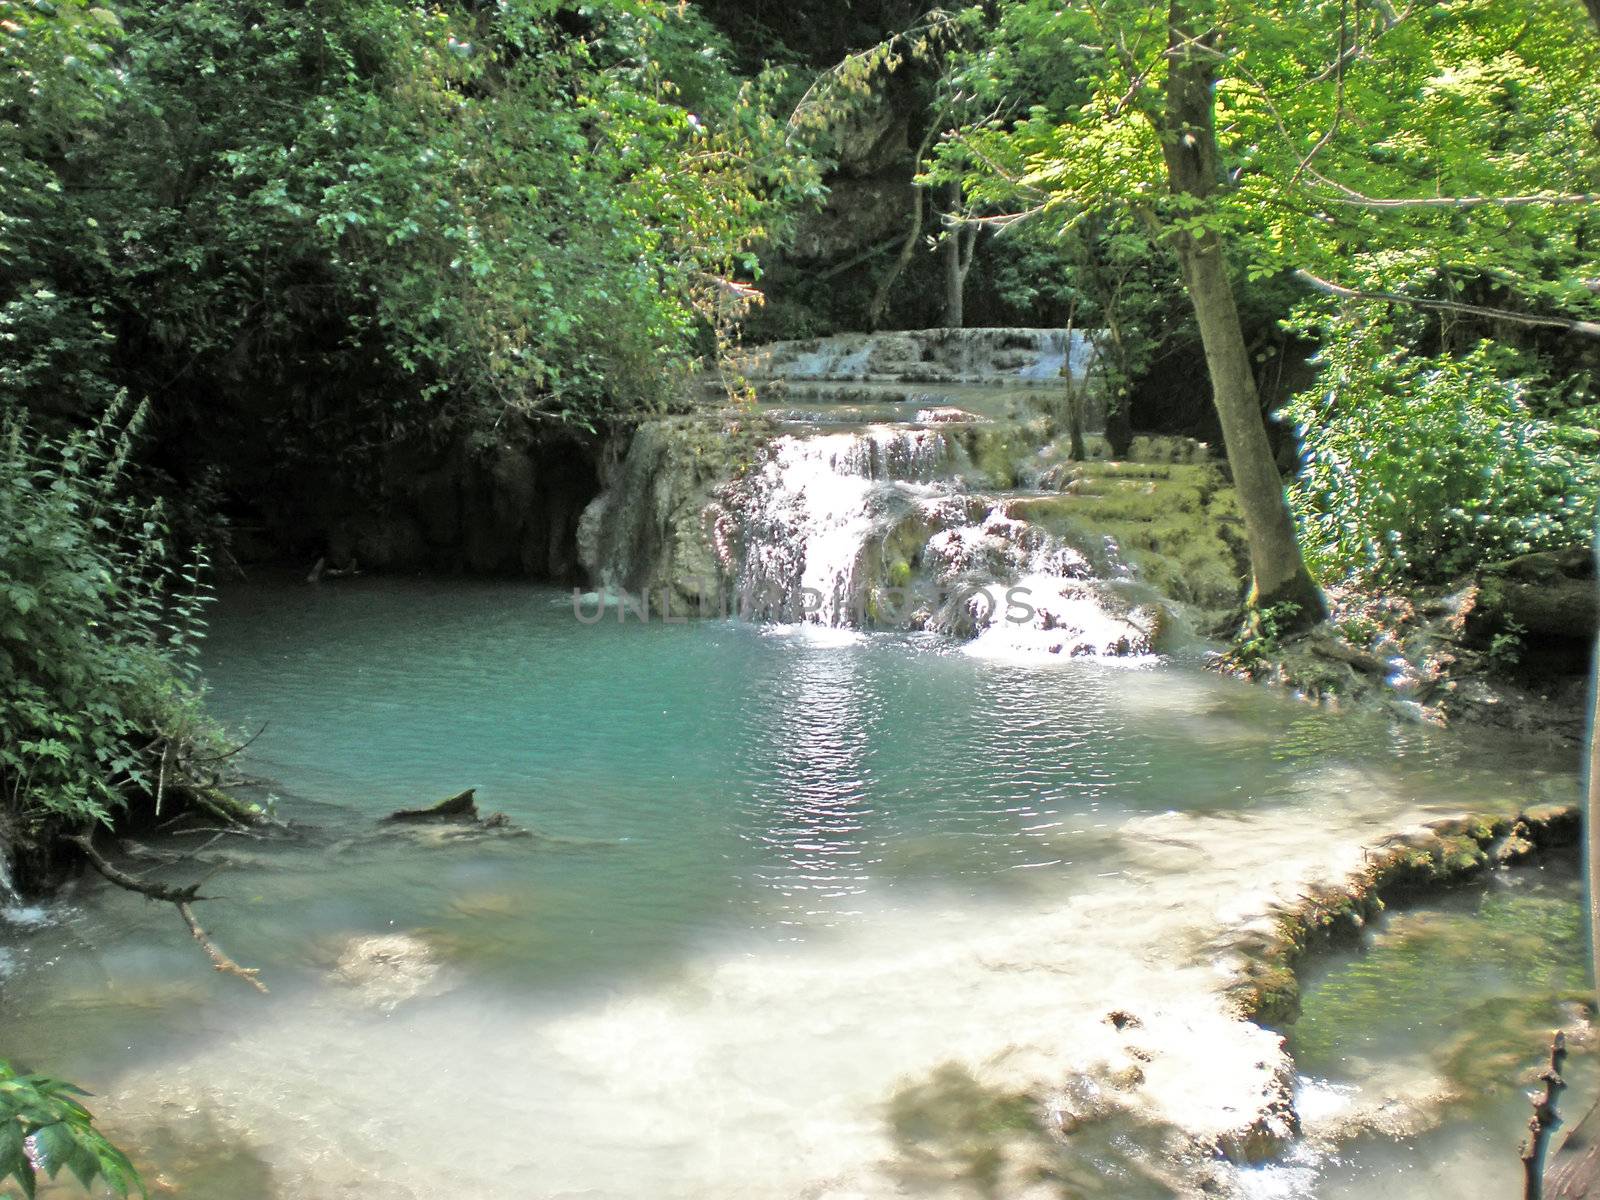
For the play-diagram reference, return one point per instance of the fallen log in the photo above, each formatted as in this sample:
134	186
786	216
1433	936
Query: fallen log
1574	1170
1544	1121
460	807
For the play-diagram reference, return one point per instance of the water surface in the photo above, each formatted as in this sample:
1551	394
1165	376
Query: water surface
803	913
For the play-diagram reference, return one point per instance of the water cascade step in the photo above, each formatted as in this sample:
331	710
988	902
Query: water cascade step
932	504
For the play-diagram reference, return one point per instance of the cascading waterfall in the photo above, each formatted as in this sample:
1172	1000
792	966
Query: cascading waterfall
880	528
897	508
807	513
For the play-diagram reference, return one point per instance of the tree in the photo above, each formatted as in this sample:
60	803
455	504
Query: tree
1384	150
1153	101
310	234
957	248
1186	127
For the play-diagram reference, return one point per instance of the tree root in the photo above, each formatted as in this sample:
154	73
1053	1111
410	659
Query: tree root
179	897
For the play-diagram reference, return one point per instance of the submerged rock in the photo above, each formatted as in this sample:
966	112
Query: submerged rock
386	970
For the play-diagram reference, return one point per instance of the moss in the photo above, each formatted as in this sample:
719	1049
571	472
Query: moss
1270	996
1170	521
1446	853
1001	452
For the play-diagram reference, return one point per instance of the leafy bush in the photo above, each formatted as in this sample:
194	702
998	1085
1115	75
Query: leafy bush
97	629
1420	466
309	233
43	1127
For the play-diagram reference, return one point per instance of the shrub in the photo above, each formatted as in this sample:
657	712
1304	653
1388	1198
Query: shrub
1418	467
43	1127
97	628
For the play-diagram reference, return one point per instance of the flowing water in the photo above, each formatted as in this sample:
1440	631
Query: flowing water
914	891
805	912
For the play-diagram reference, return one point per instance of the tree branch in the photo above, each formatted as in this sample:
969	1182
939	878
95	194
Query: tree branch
1356	199
1544	1121
180	898
1580	328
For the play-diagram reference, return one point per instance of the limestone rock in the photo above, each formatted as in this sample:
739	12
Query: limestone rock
386	970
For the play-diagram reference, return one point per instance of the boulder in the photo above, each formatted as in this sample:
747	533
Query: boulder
1548	594
386	970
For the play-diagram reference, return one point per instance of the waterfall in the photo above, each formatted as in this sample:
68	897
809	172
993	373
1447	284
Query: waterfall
876	528
890	505
983	356
806	514
12	908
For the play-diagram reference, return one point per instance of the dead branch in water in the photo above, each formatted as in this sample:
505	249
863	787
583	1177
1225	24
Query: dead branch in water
179	898
219	960
1544	1121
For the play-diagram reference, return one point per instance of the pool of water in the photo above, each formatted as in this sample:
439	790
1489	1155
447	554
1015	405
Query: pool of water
801	913
1418	1049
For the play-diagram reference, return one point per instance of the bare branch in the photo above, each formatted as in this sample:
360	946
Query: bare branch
179	898
152	891
218	959
1580	328
1352	197
1544	1121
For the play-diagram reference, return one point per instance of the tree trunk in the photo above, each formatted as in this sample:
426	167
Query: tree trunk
1077	451
1591	812
908	248
955	275
1189	145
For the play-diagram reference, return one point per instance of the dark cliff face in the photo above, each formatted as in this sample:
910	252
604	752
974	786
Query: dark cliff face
509	509
810	33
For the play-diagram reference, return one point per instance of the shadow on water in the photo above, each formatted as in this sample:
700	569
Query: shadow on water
187	1152
958	1137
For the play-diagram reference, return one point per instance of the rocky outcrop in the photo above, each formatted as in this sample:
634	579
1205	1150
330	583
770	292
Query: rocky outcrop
869	188
654	529
1457	653
508	509
1552	594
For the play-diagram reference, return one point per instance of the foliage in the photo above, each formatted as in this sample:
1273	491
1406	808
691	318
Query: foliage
1420	465
1261	637
308	233
1442	151
97	629
44	1127
1339	126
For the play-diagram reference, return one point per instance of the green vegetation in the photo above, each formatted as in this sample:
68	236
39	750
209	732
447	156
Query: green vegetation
270	265
1434	165
97	635
1421	466
307	233
43	1127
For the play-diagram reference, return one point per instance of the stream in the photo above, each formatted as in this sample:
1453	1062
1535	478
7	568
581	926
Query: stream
883	892
805	912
